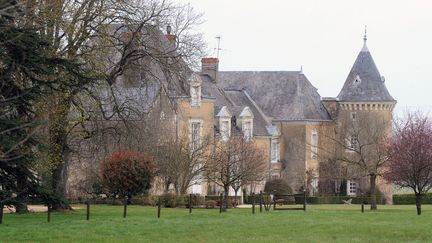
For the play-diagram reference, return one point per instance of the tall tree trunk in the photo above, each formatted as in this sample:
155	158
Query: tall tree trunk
418	203
235	196
226	192
58	148
21	205
373	191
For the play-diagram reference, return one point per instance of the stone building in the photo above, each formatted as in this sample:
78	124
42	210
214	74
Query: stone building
282	112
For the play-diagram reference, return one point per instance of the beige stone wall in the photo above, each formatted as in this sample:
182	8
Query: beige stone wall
379	115
293	154
204	112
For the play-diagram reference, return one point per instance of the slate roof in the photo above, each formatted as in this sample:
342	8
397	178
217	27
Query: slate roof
364	82
235	100
281	95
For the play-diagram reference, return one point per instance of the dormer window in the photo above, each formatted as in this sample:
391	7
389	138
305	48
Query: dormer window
195	95
195	90
247	129
225	129
224	123
247	123
357	80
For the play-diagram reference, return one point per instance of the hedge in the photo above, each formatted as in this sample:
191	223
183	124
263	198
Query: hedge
410	199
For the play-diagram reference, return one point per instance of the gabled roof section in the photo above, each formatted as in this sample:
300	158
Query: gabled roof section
364	82
236	101
224	112
246	112
282	95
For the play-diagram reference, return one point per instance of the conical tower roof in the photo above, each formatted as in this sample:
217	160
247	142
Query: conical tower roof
364	82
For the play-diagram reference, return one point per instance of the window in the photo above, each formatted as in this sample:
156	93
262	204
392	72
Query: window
195	95
247	130
357	80
225	129
351	187
353	116
353	142
314	144
195	135
274	150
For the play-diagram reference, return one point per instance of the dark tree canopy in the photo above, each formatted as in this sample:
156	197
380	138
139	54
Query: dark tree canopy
127	173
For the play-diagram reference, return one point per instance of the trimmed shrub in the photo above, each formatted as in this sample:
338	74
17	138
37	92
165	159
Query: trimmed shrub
410	199
127	173
281	190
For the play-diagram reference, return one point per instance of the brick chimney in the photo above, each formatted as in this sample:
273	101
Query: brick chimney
171	38
210	66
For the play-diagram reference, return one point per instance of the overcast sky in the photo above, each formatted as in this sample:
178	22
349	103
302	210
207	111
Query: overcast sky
325	37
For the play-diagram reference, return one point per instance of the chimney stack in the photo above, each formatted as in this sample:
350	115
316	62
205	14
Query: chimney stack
210	66
171	38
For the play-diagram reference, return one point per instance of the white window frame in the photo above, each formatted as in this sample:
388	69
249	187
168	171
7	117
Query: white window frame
248	133
274	150
351	187
314	144
195	146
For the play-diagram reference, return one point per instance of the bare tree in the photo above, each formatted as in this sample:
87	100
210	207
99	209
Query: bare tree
410	153
235	163
180	164
357	150
109	37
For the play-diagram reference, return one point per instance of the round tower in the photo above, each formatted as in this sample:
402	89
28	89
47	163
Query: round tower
364	121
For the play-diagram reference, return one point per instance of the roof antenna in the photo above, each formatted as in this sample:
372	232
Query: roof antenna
218	46
365	49
301	69
365	34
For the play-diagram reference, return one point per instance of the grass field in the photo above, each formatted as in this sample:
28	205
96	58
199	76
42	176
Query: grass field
320	223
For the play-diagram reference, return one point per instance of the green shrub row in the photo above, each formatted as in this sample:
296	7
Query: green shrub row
298	199
410	199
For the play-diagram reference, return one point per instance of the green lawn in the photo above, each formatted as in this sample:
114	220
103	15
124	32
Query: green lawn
321	223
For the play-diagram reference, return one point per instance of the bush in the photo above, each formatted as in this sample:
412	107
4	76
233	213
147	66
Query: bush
281	190
170	200
277	187
127	173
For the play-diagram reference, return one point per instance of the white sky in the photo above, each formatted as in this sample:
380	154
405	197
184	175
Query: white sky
325	36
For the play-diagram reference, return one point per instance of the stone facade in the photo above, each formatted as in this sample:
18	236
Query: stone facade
290	121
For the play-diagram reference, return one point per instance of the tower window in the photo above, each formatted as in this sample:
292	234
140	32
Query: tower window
353	116
357	80
353	143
